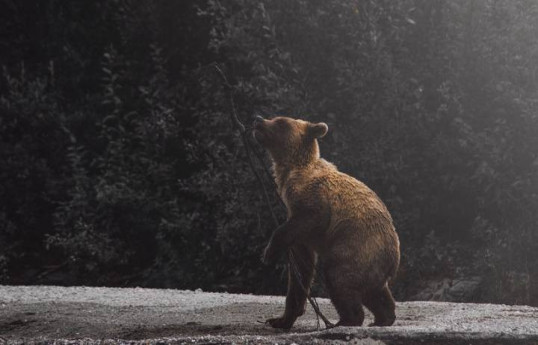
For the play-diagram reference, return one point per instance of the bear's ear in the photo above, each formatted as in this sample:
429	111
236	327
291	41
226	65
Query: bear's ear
318	130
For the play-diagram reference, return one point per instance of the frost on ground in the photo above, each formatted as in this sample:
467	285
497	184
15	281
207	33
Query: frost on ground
89	315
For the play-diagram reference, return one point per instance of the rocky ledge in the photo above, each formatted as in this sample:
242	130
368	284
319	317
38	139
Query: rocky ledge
83	315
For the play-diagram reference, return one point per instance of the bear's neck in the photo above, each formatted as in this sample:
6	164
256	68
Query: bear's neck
282	168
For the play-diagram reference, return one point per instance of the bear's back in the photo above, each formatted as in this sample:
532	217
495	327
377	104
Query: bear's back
347	197
355	218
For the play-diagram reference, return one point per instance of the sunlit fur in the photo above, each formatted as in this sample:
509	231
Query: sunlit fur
332	216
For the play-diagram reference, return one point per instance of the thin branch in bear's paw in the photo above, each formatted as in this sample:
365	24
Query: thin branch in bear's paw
246	143
242	131
259	156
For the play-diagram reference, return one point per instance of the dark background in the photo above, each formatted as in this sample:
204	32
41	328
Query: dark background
119	165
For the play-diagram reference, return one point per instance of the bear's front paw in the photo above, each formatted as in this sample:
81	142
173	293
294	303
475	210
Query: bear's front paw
280	322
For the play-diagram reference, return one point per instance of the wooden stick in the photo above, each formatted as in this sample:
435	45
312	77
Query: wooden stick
244	138
242	130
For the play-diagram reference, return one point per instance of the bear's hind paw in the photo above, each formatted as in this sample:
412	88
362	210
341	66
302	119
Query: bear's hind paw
280	322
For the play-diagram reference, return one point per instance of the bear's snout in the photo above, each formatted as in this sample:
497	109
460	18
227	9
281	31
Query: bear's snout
259	123
259	129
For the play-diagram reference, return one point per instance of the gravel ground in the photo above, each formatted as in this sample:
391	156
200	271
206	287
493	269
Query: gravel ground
73	315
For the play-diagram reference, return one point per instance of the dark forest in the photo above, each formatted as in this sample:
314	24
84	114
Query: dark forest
120	166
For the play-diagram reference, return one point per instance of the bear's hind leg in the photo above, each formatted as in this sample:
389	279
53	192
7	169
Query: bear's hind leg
305	260
381	304
349	308
347	302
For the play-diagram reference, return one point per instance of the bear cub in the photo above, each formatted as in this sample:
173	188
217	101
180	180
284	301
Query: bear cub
333	217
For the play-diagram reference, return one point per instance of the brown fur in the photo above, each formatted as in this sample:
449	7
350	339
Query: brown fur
333	216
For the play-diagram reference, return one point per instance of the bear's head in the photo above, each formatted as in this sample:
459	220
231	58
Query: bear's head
290	142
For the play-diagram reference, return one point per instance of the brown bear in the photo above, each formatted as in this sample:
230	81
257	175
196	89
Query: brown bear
334	217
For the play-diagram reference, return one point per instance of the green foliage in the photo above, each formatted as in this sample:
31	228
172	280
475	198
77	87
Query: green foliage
120	165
